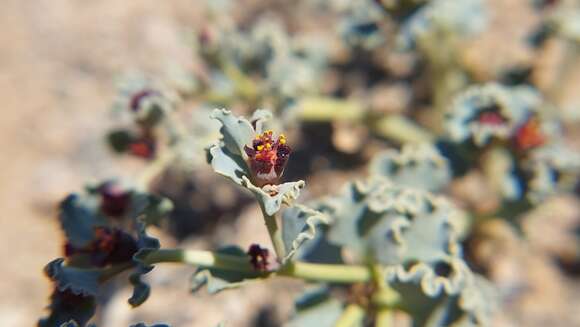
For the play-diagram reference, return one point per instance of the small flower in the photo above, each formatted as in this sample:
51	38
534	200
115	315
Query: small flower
489	112
529	135
258	257
114	200
146	100
110	246
253	162
136	100
143	147
267	158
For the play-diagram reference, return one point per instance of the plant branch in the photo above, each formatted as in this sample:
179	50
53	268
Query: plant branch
351	316
276	237
307	271
383	299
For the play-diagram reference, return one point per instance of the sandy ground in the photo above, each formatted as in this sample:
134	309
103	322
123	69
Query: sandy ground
58	61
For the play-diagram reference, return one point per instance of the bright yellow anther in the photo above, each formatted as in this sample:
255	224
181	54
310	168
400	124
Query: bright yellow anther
260	147
282	139
268	132
268	146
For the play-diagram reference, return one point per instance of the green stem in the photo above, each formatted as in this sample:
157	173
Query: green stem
384	298
351	316
275	235
384	318
307	271
347	274
400	129
394	127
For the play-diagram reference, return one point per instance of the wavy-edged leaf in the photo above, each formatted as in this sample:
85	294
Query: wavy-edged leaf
316	308
145	244
554	169
271	197
236	132
471	304
78	281
442	18
69	309
74	296
416	166
299	225
78	218
227	164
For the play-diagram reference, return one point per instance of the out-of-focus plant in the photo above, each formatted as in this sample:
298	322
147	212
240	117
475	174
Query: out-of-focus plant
388	242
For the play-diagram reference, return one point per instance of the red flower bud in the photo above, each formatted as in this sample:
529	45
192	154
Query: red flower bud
110	246
258	257
114	200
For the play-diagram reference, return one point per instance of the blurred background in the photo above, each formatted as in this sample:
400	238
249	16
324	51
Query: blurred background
59	63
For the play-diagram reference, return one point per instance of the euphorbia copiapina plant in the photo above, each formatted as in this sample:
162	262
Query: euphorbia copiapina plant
404	253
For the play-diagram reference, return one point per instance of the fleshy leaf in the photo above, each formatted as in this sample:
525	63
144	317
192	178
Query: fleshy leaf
78	218
416	166
473	304
390	223
217	279
316	308
319	249
69	309
237	132
442	18
271	197
227	164
554	169
299	225
417	228
79	281
361	26
146	244
74	296
260	118
413	234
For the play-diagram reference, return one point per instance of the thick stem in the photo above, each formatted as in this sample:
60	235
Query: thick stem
307	271
384	318
324	272
275	235
351	316
384	298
